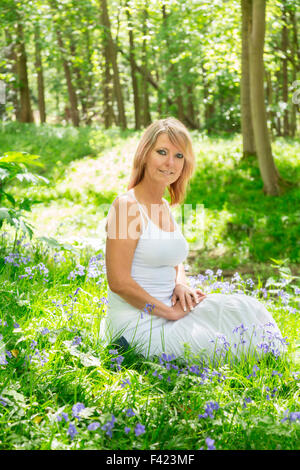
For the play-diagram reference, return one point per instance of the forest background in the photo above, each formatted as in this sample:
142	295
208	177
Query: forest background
79	82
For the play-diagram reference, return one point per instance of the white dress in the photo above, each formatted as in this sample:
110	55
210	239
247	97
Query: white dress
222	326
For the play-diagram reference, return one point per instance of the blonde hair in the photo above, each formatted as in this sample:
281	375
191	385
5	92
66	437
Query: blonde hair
178	135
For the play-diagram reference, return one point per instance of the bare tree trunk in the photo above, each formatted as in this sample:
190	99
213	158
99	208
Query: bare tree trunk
25	104
12	57
190	102
246	119
296	61
267	166
89	75
112	54
70	86
173	70
136	98
146	106
209	107
107	87
79	80
40	75
270	114
155	85
284	45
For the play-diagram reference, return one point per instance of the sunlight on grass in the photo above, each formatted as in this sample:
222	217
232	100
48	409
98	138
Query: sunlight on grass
63	387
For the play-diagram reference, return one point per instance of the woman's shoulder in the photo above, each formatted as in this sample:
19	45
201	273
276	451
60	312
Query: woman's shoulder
123	199
123	207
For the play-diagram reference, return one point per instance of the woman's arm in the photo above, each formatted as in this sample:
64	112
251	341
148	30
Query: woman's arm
187	296
123	231
180	274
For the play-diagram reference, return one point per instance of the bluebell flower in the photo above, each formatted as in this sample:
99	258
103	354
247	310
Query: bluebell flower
246	400
93	426
77	340
45	331
125	382
62	416
109	426
209	408
210	443
76	409
127	429
139	429
130	412
72	431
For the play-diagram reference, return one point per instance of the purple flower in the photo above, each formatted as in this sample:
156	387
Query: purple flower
16	325
72	431
246	400
62	416
130	412
126	382
118	360
276	373
127	429
139	429
45	331
77	340
76	409
113	351
293	416
210	443
93	426
109	426
3	360
2	401
209	408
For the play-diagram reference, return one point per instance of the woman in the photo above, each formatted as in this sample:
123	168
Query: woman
150	304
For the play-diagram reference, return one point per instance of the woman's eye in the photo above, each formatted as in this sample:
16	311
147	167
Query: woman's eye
161	152
179	155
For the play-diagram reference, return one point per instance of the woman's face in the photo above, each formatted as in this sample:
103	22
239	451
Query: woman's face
165	161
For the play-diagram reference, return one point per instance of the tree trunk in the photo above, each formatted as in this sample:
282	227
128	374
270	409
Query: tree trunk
12	57
40	75
173	71
146	106
190	102
112	55
25	104
155	85
136	98
68	76
209	107
284	45
270	114
296	62
267	166
89	75
246	119
79	80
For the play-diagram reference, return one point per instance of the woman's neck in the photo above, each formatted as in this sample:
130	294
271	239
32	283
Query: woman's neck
149	194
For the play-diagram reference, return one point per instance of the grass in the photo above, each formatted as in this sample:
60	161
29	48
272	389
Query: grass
62	387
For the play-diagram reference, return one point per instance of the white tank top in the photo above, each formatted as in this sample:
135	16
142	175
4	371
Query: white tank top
156	255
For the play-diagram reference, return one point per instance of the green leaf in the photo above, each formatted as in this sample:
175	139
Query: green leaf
53	243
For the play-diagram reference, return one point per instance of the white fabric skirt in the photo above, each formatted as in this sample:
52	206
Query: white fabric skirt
221	327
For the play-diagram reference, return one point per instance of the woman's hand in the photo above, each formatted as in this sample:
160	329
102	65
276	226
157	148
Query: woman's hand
187	297
177	312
